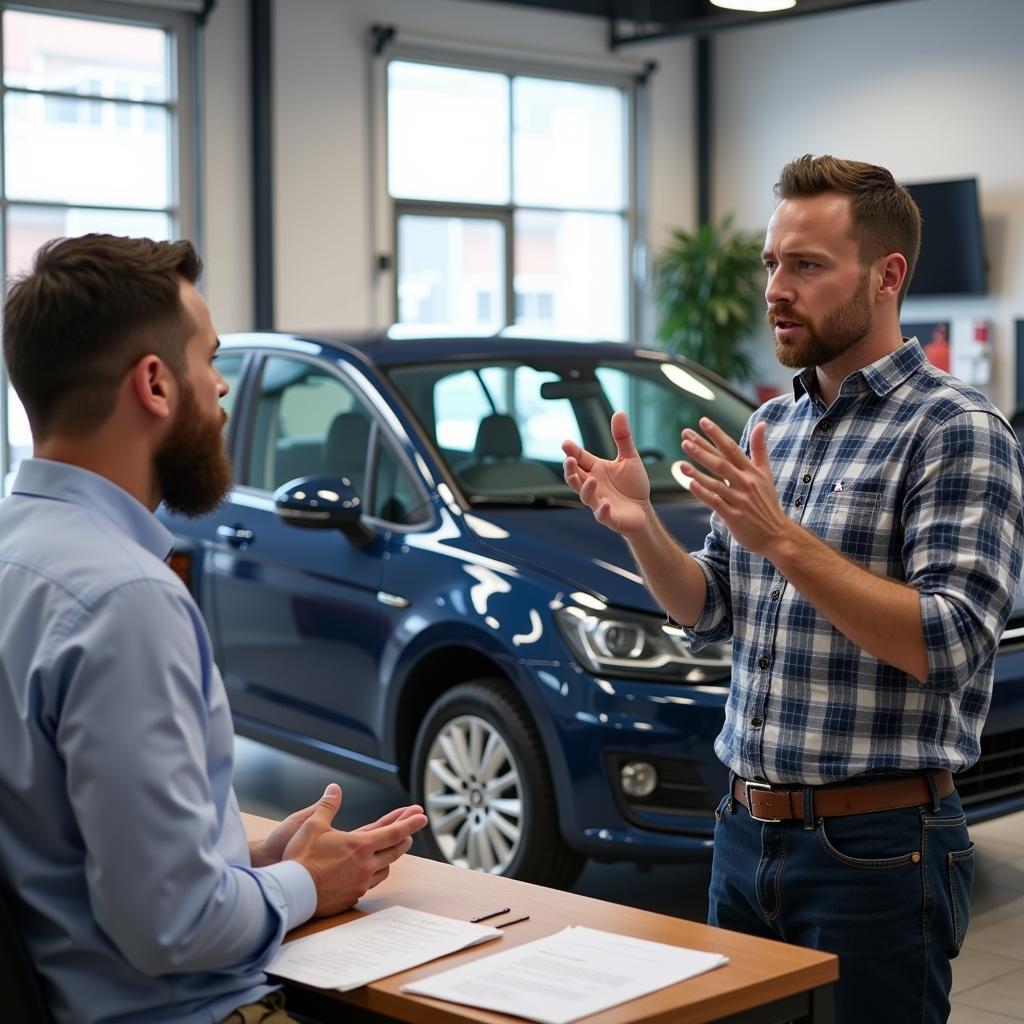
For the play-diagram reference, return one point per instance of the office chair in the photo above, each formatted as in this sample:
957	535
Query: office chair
19	984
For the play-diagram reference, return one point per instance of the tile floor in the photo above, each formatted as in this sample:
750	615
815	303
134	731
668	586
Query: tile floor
988	976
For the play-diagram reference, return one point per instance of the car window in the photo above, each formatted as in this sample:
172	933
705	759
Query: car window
396	497
461	401
500	424
307	422
229	366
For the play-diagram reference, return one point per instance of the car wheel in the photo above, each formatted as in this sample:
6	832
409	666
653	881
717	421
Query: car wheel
480	773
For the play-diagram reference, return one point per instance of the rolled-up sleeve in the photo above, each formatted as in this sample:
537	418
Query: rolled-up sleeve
715	622
963	537
133	729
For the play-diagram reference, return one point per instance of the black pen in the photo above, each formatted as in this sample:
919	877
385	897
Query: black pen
505	924
487	917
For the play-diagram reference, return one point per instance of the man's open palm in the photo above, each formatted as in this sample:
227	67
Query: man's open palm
617	491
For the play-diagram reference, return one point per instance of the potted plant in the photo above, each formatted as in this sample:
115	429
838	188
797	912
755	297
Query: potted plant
709	293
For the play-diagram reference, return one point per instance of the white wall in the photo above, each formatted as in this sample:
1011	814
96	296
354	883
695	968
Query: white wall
931	89
322	123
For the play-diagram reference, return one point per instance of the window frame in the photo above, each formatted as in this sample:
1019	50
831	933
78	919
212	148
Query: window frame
184	149
387	209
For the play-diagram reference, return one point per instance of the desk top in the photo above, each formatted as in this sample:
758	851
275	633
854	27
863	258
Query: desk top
759	971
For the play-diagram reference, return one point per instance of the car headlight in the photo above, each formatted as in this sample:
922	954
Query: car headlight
614	642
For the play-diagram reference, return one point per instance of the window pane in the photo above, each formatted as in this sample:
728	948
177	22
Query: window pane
229	366
571	274
396	497
96	58
451	272
543	422
86	151
18	434
307	423
460	403
448	133
569	145
29	226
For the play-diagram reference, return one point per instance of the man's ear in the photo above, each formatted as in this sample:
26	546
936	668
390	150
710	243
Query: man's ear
892	271
153	385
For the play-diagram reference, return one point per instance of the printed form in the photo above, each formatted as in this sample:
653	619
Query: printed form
568	975
389	941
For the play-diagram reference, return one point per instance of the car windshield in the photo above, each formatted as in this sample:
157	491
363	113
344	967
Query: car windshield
499	424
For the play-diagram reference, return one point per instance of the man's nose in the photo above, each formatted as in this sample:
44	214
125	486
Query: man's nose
779	288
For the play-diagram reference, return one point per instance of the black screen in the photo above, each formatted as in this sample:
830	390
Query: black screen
952	260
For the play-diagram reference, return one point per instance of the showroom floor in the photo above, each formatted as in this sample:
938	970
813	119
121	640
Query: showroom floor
988	977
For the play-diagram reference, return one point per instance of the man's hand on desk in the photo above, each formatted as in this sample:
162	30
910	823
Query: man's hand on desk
343	865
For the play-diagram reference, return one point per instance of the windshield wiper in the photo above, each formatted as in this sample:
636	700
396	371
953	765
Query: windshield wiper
522	501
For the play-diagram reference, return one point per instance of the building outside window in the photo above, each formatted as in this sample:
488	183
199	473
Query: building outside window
512	199
97	136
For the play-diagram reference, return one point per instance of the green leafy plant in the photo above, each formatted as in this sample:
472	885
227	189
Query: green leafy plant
709	292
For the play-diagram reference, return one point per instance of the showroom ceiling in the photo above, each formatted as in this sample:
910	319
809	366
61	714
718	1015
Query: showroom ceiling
632	21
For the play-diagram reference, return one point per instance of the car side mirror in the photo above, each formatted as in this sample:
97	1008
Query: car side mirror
323	503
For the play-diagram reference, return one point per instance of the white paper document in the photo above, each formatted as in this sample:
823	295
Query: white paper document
568	975
389	941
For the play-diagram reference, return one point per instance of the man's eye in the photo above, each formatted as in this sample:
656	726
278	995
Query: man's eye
806	265
769	265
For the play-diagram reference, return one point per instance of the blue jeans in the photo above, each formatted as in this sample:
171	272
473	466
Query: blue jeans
889	893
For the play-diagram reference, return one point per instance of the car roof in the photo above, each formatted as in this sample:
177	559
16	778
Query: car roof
385	349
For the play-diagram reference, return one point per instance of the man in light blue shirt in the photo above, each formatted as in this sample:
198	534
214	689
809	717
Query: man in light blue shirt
133	883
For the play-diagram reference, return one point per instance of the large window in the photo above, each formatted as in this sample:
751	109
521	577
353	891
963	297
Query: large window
512	200
94	138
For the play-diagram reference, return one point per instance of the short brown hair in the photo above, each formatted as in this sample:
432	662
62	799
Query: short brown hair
90	308
885	217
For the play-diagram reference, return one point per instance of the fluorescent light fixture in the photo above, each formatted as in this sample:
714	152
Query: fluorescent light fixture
758	6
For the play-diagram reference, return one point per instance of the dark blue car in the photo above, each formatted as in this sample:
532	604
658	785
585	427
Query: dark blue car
401	584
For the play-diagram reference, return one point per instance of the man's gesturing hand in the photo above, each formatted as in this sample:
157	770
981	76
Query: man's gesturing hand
617	490
744	494
344	865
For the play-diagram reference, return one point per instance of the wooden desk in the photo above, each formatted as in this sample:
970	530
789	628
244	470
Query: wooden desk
763	983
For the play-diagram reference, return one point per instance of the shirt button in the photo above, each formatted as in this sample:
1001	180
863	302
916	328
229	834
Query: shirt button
798	502
806	478
775	594
756	723
762	662
825	425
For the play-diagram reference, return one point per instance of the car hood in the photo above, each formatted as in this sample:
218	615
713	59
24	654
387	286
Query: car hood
570	546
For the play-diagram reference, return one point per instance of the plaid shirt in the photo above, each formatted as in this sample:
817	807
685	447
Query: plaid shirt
914	476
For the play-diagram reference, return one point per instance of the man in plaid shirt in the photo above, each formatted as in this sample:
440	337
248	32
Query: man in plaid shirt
864	553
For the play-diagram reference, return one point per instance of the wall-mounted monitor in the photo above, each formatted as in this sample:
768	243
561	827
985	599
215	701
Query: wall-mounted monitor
952	260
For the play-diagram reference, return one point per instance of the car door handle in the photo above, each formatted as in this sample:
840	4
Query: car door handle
236	536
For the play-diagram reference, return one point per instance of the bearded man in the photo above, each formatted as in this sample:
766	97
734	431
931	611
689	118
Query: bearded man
865	549
121	845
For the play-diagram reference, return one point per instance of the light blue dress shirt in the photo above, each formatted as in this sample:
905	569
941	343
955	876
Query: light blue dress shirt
119	829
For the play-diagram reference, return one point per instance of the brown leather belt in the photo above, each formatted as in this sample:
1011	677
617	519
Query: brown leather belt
767	802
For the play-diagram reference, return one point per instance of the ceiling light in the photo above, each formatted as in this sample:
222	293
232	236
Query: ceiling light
759	6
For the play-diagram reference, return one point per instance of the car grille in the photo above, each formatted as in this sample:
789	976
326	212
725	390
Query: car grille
999	771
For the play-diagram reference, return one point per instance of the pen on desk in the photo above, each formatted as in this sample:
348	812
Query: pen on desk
505	924
487	917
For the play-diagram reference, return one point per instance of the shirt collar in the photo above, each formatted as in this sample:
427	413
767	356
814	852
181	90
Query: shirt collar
60	481
882	376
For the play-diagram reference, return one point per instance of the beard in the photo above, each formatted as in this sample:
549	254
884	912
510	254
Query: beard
838	332
192	466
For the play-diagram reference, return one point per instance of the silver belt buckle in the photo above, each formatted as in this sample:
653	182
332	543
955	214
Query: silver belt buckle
748	786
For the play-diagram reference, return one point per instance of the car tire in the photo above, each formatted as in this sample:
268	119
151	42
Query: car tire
480	772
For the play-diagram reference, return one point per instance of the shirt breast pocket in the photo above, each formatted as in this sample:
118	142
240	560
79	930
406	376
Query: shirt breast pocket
851	520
